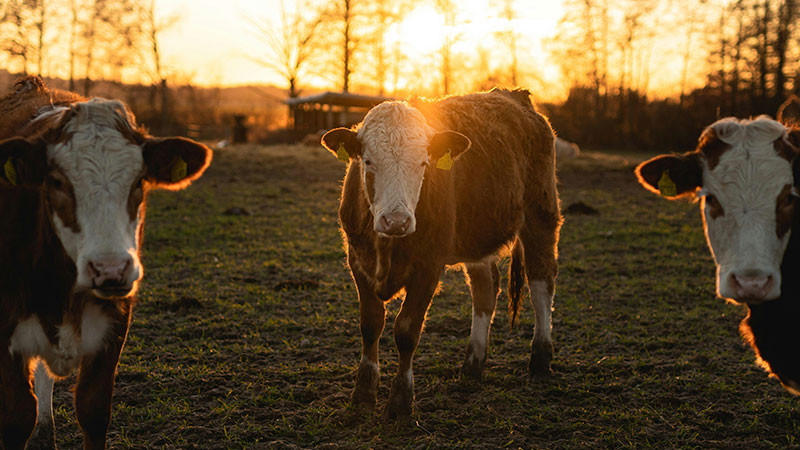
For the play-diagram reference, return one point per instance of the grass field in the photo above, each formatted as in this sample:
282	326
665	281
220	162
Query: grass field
246	333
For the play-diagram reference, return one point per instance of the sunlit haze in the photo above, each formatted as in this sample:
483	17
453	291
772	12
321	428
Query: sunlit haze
213	41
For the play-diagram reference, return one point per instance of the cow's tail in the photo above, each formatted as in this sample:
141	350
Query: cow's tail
516	279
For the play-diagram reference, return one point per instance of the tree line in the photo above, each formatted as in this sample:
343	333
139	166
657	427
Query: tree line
743	55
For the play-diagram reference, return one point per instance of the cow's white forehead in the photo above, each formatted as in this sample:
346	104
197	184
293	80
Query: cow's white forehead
751	164
96	150
394	128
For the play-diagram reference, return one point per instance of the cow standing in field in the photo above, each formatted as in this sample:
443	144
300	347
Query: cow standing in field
746	174
442	183
74	177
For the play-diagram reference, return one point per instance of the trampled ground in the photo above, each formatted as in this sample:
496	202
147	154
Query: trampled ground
246	333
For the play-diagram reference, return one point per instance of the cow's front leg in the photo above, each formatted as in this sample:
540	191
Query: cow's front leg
95	386
407	330
484	284
17	402
44	435
373	315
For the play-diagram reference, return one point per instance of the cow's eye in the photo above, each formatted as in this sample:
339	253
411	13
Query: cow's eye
56	183
367	163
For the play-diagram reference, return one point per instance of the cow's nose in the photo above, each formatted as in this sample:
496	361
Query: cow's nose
393	224
110	272
752	286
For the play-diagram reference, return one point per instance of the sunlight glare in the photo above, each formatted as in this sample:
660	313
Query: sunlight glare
421	32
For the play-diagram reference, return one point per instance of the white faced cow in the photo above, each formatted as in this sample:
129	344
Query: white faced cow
742	170
441	183
73	182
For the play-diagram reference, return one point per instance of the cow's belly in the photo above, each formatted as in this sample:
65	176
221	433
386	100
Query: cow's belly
74	341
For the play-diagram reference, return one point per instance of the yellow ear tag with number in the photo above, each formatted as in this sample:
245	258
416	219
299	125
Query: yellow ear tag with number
178	170
445	162
666	186
341	154
11	172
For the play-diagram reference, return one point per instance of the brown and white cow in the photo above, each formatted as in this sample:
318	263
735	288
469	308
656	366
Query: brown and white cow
745	173
441	183
75	174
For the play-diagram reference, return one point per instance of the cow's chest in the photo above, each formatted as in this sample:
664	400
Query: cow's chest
72	342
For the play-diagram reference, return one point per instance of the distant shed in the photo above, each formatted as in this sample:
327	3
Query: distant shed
330	110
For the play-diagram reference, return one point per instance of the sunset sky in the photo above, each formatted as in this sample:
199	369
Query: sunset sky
211	41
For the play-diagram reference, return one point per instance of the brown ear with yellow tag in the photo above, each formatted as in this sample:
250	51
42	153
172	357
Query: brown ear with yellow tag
672	176
24	162
173	163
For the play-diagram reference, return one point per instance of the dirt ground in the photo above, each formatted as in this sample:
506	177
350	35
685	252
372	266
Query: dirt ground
246	332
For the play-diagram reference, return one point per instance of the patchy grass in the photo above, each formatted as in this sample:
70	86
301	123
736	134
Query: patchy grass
246	333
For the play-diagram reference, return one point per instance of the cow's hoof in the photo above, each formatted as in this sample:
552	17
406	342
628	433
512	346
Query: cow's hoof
472	367
539	364
43	438
365	394
401	400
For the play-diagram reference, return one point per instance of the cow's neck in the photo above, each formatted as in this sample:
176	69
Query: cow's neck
35	260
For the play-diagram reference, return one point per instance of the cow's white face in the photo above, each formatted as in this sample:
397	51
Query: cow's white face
95	192
396	147
94	166
744	174
394	157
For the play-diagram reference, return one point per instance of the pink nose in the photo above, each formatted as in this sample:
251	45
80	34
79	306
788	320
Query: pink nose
751	285
110	272
393	224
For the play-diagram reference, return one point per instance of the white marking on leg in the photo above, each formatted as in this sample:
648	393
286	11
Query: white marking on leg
479	335
28	338
409	376
542	300
43	387
94	328
365	361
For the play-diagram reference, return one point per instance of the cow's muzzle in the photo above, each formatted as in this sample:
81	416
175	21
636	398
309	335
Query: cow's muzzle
394	224
752	286
111	276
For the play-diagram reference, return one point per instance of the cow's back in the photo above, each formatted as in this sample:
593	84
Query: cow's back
510	165
27	98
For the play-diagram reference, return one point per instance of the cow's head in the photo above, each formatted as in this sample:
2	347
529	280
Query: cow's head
396	147
94	167
742	171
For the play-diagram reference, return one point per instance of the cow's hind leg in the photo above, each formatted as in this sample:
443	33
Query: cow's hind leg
484	285
373	316
407	331
44	436
539	240
17	402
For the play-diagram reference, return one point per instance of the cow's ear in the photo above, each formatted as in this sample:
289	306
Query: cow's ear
672	176
343	143
22	161
443	141
173	163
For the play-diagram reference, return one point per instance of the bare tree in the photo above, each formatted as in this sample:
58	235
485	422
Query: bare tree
291	44
448	10
510	36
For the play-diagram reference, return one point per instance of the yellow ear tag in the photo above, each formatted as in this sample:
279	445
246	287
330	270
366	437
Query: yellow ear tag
341	154
666	186
178	170
445	162
11	172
